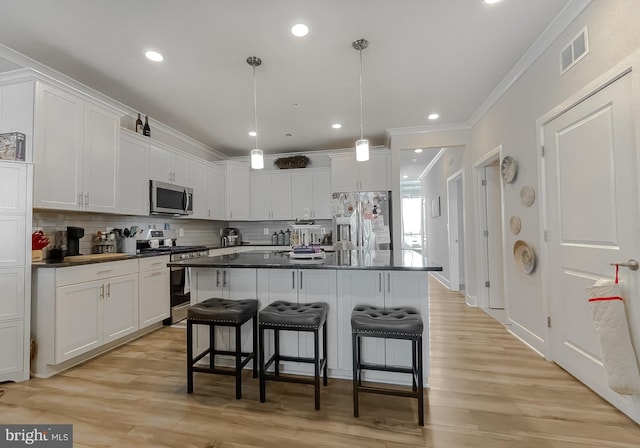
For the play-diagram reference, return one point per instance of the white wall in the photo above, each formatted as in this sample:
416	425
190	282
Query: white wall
613	34
434	184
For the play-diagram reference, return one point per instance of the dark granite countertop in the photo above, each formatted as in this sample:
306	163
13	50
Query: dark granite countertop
66	264
346	259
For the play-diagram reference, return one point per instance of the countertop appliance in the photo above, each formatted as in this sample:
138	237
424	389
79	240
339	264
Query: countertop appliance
170	199
362	220
163	242
73	240
231	237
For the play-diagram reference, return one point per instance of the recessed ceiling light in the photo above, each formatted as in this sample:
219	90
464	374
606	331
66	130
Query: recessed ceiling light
405	177
253	133
154	56
491	2
336	125
417	150
433	117
299	30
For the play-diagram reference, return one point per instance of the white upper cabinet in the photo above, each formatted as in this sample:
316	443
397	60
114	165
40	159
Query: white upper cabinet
216	192
270	195
349	175
238	204
311	193
133	177
75	152
167	165
198	181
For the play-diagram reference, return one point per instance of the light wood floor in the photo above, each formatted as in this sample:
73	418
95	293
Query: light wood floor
487	390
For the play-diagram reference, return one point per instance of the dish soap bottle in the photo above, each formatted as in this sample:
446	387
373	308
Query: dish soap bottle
274	239
281	238
287	238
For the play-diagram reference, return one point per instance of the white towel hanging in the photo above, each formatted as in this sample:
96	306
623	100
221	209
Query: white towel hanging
610	321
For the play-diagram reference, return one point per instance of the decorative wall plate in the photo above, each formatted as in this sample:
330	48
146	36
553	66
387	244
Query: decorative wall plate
515	224
527	195
509	169
525	256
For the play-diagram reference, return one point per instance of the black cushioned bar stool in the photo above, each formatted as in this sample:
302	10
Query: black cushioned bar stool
392	323
281	315
222	313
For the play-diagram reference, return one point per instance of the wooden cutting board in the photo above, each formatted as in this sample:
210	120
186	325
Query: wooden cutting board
91	257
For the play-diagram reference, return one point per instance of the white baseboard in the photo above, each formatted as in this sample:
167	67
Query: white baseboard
442	279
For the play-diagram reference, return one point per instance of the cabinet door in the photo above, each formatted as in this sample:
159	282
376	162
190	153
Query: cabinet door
322	195
302	194
407	289
260	196
153	297
180	169
198	181
280	196
13	187
238	192
359	288
160	164
373	173
12	239
241	284
78	319
344	174
133	178
280	284
58	149
319	285
120	307
11	348
11	293
216	192
101	143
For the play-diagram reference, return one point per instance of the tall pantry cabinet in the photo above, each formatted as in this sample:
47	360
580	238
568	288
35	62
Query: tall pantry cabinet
16	179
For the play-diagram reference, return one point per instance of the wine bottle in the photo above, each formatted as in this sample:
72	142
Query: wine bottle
146	130
139	124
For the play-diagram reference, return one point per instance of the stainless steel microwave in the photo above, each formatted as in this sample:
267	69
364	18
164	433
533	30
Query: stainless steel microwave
169	199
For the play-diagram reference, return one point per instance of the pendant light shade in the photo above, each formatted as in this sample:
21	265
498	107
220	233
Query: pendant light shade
257	158
362	145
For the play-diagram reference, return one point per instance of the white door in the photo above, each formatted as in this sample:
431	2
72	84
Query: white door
494	237
590	175
120	306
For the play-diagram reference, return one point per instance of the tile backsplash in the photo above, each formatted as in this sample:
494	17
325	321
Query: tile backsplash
253	232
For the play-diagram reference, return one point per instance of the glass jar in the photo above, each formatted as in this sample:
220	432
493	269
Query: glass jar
281	238
287	238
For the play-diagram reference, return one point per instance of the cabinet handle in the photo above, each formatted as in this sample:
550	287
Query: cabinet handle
379	281
300	279
217	278
158	263
388	282
224	278
293	280
86	199
80	199
104	272
108	289
102	291
156	273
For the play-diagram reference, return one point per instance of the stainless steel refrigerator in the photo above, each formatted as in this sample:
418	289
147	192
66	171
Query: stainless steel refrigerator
362	220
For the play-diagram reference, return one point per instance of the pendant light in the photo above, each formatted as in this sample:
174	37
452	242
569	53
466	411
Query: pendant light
362	145
257	159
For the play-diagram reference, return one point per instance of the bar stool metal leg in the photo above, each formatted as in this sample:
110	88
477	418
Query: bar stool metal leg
212	346
413	364
420	381
276	343
238	363
262	372
316	370
324	353
356	368
189	357
255	345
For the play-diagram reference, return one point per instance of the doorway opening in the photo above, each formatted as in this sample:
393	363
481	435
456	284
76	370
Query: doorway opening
455	215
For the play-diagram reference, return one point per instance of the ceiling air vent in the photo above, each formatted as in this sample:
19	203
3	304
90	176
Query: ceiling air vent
574	51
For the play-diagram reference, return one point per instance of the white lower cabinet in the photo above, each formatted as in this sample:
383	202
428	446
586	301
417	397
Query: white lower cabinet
223	283
389	289
153	290
11	349
78	309
300	286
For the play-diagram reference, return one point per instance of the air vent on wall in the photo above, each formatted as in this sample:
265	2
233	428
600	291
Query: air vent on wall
574	51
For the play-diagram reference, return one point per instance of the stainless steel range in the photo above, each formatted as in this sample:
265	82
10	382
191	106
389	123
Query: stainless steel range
163	241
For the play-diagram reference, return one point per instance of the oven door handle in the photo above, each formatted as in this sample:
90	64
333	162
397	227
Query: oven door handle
185	200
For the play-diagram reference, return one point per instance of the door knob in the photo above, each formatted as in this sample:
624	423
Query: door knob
631	264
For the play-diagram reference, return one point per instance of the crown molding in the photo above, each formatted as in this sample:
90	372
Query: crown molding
428	128
432	163
557	26
45	73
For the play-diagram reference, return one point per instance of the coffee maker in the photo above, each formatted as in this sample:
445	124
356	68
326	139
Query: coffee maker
73	240
231	237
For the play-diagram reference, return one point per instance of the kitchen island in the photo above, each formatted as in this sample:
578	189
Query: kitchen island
342	279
